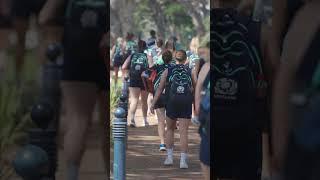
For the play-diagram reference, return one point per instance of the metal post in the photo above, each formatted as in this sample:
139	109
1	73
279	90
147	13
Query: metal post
45	114
119	137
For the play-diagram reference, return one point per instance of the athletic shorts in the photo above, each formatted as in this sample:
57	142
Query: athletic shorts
237	154
179	108
90	70
205	150
161	102
136	83
118	61
25	8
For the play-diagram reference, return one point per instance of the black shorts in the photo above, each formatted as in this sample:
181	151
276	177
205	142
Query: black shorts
136	83
90	70
118	61
179	108
161	102
237	154
25	8
5	22
205	150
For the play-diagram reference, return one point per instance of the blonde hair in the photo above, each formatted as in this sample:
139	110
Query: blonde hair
194	44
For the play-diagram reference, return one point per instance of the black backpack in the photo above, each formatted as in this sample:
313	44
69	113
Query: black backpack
139	63
179	83
238	77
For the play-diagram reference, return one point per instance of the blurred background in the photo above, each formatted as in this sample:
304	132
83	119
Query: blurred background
183	19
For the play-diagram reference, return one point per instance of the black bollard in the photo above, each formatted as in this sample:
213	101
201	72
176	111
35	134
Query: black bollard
45	115
31	163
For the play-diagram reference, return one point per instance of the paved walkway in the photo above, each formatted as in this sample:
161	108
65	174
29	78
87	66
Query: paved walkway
145	162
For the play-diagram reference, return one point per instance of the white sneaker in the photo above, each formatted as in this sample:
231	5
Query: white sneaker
168	161
183	163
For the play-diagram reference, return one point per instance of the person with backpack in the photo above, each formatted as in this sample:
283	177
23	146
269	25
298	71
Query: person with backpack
137	63
154	75
178	83
130	45
202	116
117	54
84	78
240	78
295	114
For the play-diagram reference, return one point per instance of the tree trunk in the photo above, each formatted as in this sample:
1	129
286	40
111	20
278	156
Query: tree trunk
196	17
158	16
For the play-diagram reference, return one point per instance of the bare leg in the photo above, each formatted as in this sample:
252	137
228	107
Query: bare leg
80	99
161	123
183	130
144	104
134	98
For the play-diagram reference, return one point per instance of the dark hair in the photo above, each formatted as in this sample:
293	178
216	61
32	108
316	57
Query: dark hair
129	36
170	45
152	33
159	42
167	56
142	45
184	57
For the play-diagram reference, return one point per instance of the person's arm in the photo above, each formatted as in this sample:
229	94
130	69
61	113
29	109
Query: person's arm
49	10
150	61
294	49
279	24
160	89
194	78
126	63
112	51
197	96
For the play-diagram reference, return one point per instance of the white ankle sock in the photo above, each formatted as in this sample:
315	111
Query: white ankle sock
184	155
170	152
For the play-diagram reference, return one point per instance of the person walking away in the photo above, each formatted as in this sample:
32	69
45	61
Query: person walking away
179	84
117	54
137	63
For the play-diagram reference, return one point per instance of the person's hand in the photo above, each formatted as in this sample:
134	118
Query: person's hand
195	120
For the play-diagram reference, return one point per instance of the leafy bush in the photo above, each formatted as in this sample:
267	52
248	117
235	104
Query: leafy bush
14	121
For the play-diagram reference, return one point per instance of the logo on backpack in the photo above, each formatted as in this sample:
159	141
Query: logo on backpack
226	87
180	89
89	18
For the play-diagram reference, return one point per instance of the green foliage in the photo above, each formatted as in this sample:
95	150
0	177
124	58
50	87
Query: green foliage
176	17
115	93
14	121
